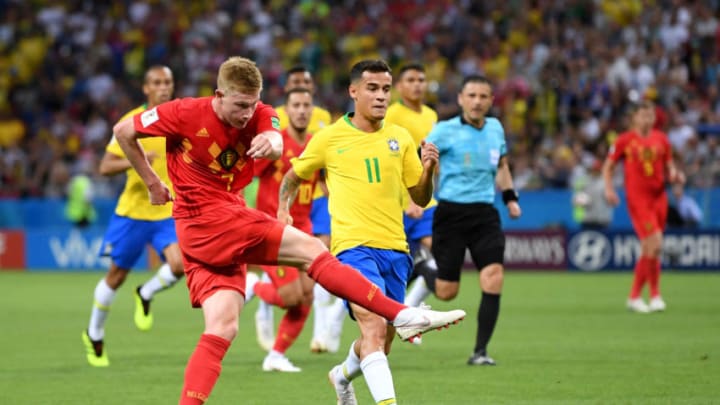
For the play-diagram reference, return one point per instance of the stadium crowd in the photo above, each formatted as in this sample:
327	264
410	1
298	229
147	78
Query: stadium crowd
563	71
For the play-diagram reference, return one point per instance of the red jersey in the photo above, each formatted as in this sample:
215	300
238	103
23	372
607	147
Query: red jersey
645	159
207	160
271	174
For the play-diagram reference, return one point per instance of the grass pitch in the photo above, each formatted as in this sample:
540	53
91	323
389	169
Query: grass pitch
561	339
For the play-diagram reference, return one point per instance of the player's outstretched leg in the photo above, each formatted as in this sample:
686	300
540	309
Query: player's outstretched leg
163	279
346	282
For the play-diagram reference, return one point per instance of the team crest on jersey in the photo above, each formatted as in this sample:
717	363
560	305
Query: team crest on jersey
228	158
393	144
275	121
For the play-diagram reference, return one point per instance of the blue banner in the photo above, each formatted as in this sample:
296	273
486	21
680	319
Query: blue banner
603	250
67	249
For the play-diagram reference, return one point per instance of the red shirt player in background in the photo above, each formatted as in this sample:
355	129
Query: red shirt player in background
211	145
288	287
647	157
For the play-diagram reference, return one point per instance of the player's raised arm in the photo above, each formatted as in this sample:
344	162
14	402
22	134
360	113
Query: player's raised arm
504	180
266	145
127	138
422	192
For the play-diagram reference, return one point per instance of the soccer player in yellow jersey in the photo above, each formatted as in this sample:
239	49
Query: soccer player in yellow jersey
370	166
325	306
135	224
411	113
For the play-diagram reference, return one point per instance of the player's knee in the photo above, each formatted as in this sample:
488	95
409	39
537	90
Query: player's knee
445	292
491	278
177	268
116	277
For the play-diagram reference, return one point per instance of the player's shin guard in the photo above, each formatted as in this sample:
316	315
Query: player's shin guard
640	277
346	282
203	369
653	276
291	325
487	317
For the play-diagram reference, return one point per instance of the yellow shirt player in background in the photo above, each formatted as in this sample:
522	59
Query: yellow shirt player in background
411	113
135	224
329	312
370	167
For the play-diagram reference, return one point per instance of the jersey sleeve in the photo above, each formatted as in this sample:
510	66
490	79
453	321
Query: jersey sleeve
412	167
324	116
266	119
501	140
114	147
616	150
312	158
162	120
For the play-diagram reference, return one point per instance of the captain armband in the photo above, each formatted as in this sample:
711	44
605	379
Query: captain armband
510	195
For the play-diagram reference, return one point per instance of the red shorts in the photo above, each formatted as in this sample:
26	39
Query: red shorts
648	216
217	246
283	275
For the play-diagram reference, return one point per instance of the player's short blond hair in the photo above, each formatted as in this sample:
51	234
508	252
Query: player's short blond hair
239	75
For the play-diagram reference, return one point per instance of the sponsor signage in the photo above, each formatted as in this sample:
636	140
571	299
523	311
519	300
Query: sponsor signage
12	250
682	250
68	249
535	250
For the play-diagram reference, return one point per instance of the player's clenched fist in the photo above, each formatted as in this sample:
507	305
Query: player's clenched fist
267	145
159	194
429	154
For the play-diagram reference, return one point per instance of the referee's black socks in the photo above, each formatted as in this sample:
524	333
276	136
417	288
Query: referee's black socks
487	317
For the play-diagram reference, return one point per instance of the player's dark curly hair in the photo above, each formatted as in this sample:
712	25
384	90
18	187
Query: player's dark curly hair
368	65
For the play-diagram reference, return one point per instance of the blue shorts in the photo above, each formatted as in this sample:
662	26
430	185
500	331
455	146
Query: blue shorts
388	269
416	229
125	239
320	216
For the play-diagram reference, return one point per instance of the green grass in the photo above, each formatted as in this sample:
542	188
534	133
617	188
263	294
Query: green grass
560	339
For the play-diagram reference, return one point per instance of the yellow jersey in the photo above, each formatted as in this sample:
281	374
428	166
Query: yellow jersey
368	173
319	119
419	124
134	202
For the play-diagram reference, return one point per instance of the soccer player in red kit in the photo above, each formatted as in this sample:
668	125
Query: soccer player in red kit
211	145
648	162
288	288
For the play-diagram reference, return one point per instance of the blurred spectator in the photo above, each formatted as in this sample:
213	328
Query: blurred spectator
684	211
562	70
590	208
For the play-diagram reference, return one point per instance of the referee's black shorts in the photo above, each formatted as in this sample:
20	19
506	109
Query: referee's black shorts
475	226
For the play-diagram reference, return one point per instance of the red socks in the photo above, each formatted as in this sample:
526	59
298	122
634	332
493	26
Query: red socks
291	325
203	369
653	269
646	269
641	275
346	282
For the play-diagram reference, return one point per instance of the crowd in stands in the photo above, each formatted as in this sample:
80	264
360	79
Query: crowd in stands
563	71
